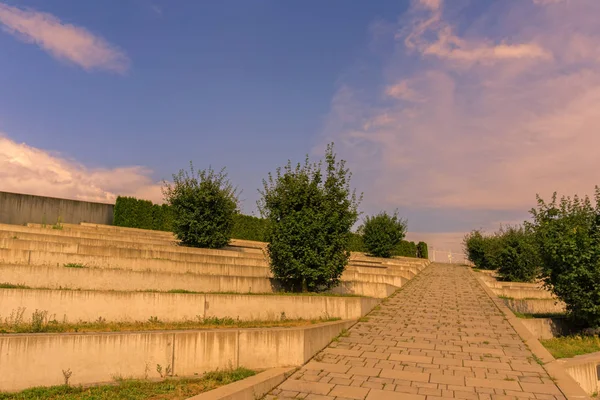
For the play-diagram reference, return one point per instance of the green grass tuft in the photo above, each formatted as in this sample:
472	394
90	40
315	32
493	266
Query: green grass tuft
571	346
74	265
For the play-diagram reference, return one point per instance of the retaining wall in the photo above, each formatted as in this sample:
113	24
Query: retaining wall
535	306
20	209
39	359
546	328
584	369
113	306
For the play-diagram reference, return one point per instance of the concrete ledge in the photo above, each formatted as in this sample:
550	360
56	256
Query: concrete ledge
38	359
535	306
584	370
252	388
113	306
523	293
565	382
546	328
56	277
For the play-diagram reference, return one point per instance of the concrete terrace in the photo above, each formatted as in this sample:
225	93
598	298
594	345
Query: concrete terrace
441	336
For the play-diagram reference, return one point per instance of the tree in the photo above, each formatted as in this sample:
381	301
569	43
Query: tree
310	213
422	250
382	233
568	236
482	250
203	207
518	259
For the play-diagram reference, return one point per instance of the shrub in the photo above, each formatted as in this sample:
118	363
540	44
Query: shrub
309	213
248	227
405	249
204	205
135	213
518	259
568	236
356	242
382	233
422	250
482	250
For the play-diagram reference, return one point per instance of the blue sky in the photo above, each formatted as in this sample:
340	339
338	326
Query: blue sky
442	109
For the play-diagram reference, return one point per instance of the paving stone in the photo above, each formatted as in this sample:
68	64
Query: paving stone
441	335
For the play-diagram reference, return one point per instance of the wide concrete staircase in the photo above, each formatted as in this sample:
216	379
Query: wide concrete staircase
88	273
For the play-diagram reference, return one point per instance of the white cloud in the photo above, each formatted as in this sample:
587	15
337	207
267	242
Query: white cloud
25	169
513	121
62	40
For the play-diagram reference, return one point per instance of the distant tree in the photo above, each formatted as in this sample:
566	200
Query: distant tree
310	212
422	250
382	233
203	206
482	250
518	259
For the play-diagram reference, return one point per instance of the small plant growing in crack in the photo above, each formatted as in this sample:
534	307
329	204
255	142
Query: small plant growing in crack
67	375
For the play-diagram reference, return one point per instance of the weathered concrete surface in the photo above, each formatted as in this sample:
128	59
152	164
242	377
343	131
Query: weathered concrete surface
20	209
57	277
89	306
546	328
38	359
535	306
252	388
440	336
584	370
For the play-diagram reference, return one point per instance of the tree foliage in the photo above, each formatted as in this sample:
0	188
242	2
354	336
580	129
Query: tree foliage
567	233
135	213
518	259
482	250
382	233
204	204
310	209
422	250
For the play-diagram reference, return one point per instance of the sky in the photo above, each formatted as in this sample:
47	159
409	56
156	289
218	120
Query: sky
456	113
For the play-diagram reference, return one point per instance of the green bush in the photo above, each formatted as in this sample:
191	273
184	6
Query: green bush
248	227
405	249
382	233
309	213
568	236
482	250
422	250
135	213
356	243
204	205
518	259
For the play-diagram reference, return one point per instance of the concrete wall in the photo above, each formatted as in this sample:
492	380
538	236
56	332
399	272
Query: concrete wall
535	306
56	277
584	370
113	306
20	209
546	328
523	293
38	359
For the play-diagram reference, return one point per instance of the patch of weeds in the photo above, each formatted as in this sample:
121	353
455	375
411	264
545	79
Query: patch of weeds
363	319
571	346
6	285
74	265
538	315
134	389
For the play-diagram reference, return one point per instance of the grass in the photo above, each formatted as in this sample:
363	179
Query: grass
8	285
571	346
538	315
133	389
74	265
41	322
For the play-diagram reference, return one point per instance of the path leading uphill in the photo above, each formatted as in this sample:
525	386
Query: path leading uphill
439	337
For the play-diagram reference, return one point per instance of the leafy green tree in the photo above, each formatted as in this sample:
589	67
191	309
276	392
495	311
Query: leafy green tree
203	206
382	233
518	259
568	236
422	250
310	210
482	250
405	249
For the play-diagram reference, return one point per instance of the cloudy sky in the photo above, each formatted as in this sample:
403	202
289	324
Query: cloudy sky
456	113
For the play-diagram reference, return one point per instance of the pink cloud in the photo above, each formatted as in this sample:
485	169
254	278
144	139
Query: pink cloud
26	169
495	124
61	40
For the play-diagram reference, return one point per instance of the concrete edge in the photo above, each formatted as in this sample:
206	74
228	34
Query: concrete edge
252	388
567	385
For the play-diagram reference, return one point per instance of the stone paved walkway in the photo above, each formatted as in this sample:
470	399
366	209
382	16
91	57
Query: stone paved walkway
439	337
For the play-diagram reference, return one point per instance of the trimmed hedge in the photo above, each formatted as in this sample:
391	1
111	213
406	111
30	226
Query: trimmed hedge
403	249
422	250
135	213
